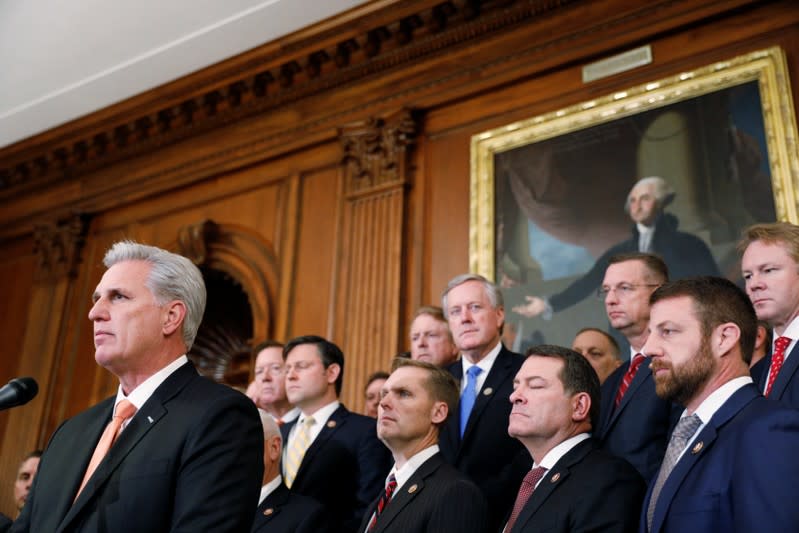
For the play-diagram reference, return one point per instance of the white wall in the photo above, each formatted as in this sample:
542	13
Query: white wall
61	59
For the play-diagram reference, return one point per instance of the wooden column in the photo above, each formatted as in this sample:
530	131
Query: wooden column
367	288
57	247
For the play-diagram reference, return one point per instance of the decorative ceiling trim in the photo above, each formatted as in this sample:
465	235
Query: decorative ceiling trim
281	77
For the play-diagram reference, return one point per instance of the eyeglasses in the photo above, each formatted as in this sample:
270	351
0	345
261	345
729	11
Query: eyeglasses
622	290
273	370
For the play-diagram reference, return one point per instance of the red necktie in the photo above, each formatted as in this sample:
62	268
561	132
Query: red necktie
383	501
628	377
780	345
525	491
124	410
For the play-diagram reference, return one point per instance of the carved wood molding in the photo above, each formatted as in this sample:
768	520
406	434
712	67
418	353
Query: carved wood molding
376	151
57	246
372	44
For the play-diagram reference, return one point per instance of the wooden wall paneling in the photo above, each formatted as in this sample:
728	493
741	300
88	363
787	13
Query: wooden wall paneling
376	165
58	247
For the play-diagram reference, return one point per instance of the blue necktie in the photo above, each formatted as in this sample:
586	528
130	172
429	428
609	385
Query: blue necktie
469	395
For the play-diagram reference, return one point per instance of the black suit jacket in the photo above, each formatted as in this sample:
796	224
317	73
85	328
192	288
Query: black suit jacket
343	468
786	386
586	490
639	429
191	459
284	512
436	498
487	455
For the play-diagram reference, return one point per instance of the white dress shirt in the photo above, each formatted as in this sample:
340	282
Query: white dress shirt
485	363
142	393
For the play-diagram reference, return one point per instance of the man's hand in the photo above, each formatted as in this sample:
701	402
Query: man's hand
534	307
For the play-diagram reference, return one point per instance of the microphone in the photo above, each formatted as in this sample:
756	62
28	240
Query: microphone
19	391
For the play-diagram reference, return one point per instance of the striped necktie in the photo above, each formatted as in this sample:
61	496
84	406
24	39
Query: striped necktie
297	448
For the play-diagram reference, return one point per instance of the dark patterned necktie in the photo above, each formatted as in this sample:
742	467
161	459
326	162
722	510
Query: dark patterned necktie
383	501
525	491
780	345
628	377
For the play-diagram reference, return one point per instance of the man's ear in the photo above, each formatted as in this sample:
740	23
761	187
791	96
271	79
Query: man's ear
581	407
439	412
173	316
725	338
333	372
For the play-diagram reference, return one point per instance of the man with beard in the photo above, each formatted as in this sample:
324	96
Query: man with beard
702	336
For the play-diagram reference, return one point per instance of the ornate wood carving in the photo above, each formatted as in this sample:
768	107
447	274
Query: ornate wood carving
375	162
269	80
57	246
376	151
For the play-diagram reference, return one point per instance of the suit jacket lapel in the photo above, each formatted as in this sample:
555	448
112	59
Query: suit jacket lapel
609	389
641	376
336	420
270	507
498	374
405	494
141	423
789	367
700	445
552	480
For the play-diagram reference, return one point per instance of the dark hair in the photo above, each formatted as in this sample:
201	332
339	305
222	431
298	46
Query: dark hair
577	375
653	263
376	376
440	383
716	301
328	352
613	344
34	453
261	346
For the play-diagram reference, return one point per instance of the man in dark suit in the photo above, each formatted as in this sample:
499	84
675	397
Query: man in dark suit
189	459
634	422
574	485
422	493
331	454
731	463
476	440
280	511
770	266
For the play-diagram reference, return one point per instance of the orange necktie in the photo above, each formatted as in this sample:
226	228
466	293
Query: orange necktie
124	410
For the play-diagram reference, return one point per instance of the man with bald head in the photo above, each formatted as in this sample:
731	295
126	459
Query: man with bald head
599	349
653	231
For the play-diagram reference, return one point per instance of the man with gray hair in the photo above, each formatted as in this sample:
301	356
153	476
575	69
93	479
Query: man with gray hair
281	511
653	231
171	451
475	440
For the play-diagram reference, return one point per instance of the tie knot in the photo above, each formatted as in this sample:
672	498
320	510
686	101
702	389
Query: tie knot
535	475
124	410
782	343
474	371
637	360
309	421
392	482
687	426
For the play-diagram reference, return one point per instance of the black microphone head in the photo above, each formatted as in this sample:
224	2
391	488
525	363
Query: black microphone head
27	387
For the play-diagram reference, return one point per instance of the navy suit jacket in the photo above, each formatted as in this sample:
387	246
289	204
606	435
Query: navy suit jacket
786	387
343	468
435	498
191	459
586	490
284	512
738	475
639	429
487	455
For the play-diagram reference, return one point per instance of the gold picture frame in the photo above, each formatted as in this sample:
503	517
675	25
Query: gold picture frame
763	73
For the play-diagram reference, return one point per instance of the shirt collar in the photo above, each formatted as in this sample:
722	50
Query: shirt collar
556	454
320	415
713	403
142	393
791	331
485	363
411	465
269	488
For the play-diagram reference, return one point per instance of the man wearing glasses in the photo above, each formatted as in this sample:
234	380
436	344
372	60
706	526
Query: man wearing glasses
270	383
331	455
634	423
